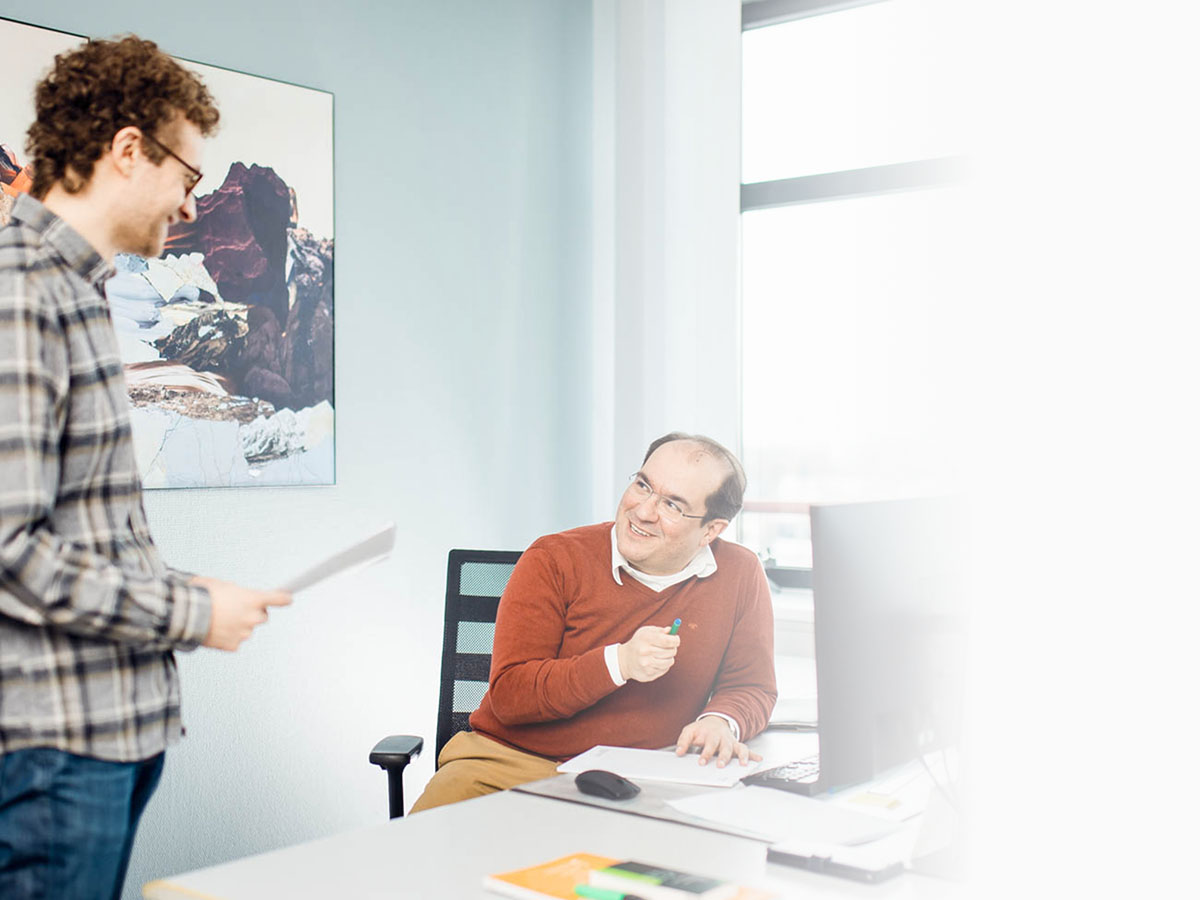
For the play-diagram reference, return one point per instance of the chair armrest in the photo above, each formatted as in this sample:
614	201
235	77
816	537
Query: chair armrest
395	751
393	754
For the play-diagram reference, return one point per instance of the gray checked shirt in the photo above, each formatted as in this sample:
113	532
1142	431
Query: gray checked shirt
89	613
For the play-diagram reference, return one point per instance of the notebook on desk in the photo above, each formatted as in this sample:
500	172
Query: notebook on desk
653	765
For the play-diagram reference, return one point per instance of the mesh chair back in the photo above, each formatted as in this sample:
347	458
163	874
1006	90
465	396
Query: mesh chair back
475	579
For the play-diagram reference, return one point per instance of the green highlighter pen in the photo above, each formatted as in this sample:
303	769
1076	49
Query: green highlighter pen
675	626
596	893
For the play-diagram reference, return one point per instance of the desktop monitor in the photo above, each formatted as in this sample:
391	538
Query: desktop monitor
890	634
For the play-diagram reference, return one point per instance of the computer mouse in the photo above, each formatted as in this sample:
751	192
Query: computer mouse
608	785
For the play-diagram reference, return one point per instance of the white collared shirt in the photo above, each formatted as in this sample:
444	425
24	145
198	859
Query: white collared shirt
702	565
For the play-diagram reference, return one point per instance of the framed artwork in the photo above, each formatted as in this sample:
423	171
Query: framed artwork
227	338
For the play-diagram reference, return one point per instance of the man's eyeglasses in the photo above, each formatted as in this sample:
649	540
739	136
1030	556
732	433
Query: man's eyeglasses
194	174
640	488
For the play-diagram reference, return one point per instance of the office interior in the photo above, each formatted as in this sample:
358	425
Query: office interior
537	273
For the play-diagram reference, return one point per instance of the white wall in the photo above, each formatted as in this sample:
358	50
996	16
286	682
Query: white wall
666	261
462	379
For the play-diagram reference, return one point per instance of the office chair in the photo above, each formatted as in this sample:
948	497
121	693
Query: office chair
475	579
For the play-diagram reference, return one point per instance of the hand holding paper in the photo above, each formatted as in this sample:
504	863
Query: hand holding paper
236	611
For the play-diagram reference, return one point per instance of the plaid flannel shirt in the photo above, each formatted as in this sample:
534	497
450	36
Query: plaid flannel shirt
89	613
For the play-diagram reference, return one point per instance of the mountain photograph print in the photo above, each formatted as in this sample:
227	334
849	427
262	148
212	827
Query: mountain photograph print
227	338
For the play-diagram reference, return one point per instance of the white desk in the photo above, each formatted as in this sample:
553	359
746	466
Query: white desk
443	854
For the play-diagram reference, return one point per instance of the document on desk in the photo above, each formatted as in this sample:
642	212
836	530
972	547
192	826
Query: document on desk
373	548
783	816
657	765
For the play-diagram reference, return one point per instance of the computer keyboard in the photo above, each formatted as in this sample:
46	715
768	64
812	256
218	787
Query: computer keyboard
799	777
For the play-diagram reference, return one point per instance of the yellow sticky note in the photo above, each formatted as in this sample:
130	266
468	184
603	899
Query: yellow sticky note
882	801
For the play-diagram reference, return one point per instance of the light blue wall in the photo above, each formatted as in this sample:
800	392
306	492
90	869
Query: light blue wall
462	142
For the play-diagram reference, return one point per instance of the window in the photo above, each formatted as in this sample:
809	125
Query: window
849	204
844	90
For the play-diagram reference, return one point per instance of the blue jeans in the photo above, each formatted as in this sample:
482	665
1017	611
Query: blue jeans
67	823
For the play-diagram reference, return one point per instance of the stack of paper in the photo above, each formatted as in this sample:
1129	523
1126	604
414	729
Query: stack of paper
657	765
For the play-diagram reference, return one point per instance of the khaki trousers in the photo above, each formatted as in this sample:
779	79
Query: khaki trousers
471	765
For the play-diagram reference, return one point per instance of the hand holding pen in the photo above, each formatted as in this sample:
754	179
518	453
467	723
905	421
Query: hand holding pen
650	653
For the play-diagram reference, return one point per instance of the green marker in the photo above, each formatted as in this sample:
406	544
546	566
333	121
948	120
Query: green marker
675	626
595	893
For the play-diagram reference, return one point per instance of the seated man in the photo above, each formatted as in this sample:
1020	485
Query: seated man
583	653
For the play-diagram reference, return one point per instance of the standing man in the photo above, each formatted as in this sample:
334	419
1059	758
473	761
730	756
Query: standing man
585	652
89	613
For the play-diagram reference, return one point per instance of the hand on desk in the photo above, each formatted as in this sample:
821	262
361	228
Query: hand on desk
713	736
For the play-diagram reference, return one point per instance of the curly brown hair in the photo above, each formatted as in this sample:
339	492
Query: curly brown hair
96	90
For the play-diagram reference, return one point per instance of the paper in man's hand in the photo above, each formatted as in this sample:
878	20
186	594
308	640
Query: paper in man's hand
371	549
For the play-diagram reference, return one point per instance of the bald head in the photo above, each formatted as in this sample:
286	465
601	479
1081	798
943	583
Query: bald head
725	501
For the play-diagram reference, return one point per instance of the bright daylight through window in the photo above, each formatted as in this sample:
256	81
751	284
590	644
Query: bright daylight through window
848	205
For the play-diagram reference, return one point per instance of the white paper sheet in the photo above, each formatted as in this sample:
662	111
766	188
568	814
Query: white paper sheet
658	765
782	816
374	547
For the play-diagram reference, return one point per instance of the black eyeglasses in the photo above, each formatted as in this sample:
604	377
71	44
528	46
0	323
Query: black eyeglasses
194	174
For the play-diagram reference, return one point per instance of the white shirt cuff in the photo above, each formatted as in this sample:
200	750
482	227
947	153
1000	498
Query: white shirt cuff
614	667
733	726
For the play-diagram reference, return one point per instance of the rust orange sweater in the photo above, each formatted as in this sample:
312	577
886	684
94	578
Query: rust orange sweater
550	692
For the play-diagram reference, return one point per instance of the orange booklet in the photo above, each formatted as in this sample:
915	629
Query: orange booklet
556	878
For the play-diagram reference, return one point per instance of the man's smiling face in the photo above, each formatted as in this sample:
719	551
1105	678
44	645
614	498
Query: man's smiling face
683	473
